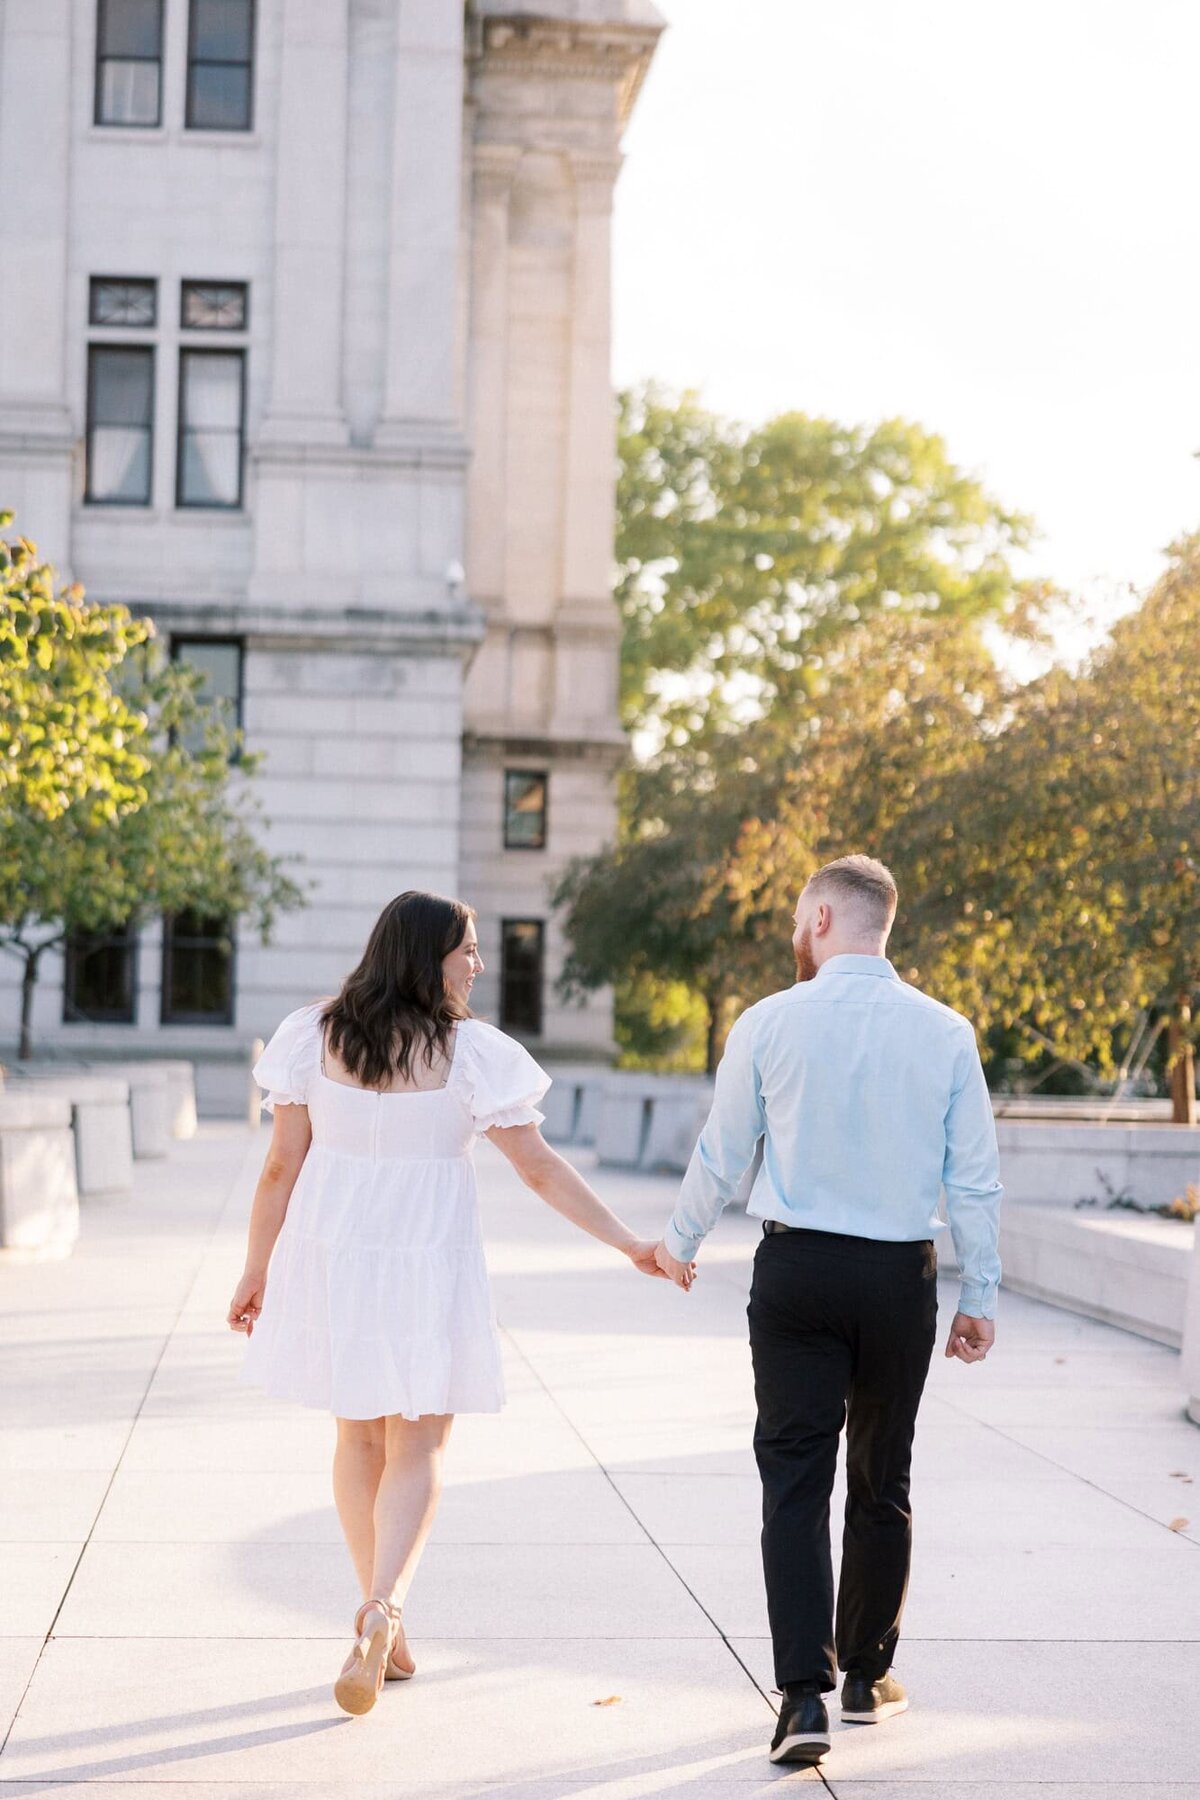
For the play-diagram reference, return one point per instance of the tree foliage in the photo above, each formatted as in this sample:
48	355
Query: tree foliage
106	816
745	555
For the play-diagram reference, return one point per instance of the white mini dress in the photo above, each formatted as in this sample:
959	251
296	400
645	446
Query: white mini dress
377	1297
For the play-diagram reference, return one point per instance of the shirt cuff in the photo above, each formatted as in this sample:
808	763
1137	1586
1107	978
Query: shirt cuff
683	1249
977	1299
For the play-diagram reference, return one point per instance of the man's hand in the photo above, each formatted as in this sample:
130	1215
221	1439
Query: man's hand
970	1339
641	1255
681	1273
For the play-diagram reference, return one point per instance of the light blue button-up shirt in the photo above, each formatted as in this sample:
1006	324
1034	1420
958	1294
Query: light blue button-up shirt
870	1101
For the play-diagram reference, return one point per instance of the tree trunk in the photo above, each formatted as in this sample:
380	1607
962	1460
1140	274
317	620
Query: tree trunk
1181	1061
718	1030
28	983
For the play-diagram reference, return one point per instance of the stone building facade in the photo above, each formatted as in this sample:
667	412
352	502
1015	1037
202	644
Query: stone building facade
304	352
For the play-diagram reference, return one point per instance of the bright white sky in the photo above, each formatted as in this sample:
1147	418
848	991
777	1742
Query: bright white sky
982	216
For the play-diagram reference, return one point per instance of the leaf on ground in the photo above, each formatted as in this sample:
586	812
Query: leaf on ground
1180	1475
612	1700
1059	1359
1178	1524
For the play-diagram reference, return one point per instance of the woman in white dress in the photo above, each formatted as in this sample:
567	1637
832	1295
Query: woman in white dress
378	1308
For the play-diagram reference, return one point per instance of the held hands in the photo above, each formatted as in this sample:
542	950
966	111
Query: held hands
246	1304
681	1273
970	1339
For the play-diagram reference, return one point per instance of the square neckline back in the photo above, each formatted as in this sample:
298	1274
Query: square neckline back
393	1093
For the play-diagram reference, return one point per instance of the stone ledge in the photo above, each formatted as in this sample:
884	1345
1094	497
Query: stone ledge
1126	1271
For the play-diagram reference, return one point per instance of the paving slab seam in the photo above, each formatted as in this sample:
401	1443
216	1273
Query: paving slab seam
1043	1456
623	1498
200	1257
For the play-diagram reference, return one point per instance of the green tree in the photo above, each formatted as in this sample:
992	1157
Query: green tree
744	555
67	735
1056	881
105	816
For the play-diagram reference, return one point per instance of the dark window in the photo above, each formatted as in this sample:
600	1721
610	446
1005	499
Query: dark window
120	424
220	79
100	977
209	468
521	957
213	306
197	980
129	39
525	809
219	661
113	300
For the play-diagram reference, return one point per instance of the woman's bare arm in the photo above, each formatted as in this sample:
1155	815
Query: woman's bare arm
553	1179
291	1136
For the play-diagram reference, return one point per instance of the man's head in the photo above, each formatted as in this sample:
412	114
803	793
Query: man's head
847	907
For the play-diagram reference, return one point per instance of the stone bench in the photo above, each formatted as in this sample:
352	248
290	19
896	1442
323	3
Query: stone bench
101	1121
39	1196
1056	1164
149	1102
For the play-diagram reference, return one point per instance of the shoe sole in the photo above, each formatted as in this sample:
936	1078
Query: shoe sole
877	1715
805	1747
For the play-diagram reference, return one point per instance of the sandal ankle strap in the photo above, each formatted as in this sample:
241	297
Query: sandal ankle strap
390	1610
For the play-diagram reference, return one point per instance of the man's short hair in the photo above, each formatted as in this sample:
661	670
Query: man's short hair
865	883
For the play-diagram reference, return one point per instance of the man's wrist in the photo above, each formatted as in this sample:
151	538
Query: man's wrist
683	1249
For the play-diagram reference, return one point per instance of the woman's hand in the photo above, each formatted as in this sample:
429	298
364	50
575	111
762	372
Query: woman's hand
641	1255
247	1303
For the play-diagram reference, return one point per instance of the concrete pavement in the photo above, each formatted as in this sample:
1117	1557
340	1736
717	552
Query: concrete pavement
588	1620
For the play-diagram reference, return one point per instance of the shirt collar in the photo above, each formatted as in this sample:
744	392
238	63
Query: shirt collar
849	963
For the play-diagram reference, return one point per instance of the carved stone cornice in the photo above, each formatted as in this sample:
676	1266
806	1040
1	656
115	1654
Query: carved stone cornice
518	44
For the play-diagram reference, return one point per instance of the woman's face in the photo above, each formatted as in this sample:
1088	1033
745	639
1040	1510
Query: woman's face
460	968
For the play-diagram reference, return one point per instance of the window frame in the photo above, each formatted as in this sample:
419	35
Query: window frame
506	1023
100	59
198	281
229	640
72	1014
101	346
544	776
167	1013
224	506
95	281
193	60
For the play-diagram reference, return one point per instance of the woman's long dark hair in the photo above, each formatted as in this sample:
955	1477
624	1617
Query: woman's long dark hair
394	1005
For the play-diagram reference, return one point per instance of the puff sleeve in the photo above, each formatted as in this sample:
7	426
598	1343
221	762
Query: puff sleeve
287	1065
506	1083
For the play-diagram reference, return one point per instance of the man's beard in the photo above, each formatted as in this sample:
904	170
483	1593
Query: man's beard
806	962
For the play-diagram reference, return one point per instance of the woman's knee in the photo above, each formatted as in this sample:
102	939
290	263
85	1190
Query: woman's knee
362	1435
424	1437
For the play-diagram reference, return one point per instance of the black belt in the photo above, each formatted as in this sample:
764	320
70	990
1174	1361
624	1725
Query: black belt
770	1225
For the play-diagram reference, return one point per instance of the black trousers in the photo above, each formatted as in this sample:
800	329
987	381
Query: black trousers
841	1333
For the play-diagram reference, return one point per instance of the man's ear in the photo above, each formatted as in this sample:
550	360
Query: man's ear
823	920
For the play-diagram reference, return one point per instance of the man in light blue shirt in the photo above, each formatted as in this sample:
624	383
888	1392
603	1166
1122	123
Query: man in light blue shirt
869	1101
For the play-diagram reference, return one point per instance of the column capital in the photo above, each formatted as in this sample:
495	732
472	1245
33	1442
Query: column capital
493	167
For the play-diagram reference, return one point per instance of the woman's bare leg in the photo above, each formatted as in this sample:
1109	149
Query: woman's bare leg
406	1503
358	1464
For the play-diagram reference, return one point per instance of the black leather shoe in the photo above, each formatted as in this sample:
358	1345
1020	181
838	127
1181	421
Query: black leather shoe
802	1734
868	1702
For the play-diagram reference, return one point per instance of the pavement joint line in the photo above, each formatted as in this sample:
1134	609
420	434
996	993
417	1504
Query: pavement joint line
624	1500
1044	1456
200	1255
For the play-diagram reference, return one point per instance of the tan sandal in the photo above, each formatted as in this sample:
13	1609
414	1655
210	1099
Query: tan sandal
357	1688
393	1671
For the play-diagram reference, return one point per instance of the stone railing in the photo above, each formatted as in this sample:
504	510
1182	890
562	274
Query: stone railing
39	1195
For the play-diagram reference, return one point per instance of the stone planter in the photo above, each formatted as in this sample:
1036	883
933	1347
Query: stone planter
1191	1335
101	1122
39	1197
181	1090
149	1103
1056	1164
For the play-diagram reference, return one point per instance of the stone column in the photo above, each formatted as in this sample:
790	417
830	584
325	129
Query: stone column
487	400
420	390
586	619
305	405
36	431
